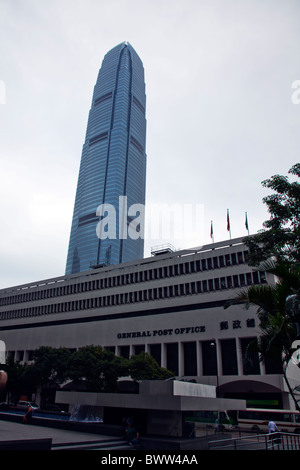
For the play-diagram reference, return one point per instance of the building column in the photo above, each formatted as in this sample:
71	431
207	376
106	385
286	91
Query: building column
163	355
199	358
239	356
219	357
180	359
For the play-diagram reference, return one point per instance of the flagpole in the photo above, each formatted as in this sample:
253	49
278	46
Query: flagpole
228	224
246	223
212	232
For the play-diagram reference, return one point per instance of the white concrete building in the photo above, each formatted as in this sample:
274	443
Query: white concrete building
169	305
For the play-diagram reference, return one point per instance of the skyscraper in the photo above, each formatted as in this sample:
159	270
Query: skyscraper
112	175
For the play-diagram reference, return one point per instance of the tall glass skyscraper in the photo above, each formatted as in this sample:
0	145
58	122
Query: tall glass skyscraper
107	225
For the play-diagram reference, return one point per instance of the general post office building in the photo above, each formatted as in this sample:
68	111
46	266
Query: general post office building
170	305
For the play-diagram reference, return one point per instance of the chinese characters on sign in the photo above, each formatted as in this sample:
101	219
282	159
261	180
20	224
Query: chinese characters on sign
250	323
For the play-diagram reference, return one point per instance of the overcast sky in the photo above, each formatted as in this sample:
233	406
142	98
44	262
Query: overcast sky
220	118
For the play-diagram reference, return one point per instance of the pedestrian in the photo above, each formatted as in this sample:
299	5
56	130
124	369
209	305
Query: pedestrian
218	426
27	417
273	430
126	422
272	427
132	435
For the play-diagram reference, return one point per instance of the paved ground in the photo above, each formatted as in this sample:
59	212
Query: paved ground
10	431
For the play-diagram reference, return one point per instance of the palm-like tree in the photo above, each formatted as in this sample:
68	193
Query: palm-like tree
277	314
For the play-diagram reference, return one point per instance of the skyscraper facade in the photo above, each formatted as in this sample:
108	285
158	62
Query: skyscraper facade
112	176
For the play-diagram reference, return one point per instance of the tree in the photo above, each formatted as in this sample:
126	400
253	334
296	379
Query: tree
144	367
113	368
16	383
280	241
278	322
51	366
98	368
281	234
95	367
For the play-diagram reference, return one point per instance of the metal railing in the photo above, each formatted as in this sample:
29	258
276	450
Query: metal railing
274	441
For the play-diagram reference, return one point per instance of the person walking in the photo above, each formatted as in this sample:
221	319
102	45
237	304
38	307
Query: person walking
132	435
273	429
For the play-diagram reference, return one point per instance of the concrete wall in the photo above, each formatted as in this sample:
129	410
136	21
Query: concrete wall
165	423
164	402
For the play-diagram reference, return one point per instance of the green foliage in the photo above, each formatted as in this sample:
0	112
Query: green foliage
50	365
281	234
145	367
271	298
100	369
97	368
276	250
278	323
17	379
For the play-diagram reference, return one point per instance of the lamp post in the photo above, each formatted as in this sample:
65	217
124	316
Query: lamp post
213	344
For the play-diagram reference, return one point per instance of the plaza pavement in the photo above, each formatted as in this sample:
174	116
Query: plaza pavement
11	431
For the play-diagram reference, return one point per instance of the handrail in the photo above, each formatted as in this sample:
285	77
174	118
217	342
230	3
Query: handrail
278	440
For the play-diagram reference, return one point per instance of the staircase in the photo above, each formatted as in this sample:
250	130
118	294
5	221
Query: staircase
107	444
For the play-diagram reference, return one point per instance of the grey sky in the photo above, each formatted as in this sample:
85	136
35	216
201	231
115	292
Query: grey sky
220	118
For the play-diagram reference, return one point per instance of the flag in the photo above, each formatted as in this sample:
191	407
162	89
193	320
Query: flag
228	224
228	221
211	231
246	222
